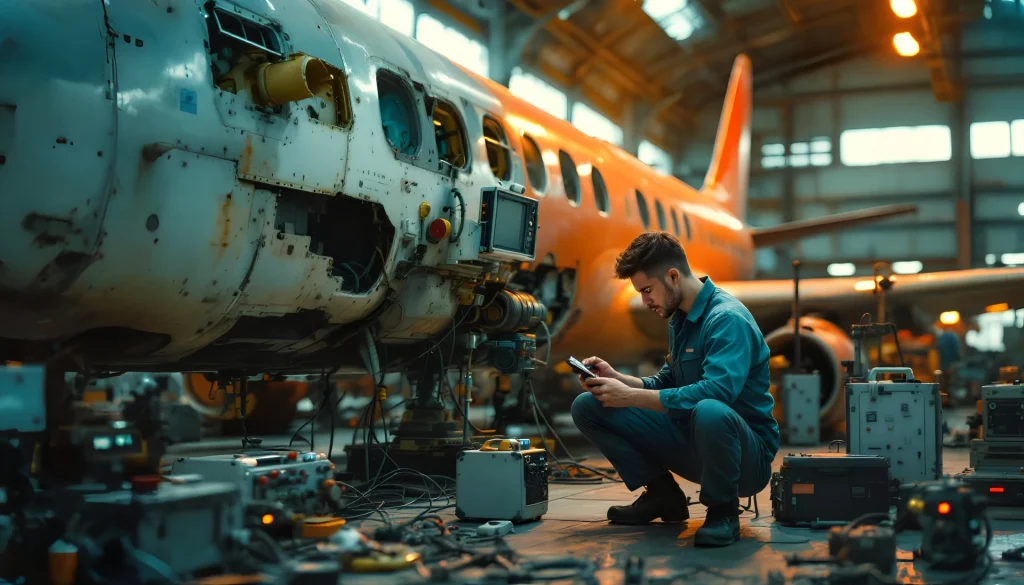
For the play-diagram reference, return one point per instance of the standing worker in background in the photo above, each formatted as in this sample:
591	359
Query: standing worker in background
707	415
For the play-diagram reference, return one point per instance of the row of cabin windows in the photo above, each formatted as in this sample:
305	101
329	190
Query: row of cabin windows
401	125
401	128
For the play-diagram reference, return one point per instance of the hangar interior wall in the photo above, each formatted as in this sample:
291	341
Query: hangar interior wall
869	132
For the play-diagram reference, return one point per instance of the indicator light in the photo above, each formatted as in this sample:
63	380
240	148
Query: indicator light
944	508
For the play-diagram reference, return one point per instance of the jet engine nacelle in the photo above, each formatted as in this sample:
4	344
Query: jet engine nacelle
823	347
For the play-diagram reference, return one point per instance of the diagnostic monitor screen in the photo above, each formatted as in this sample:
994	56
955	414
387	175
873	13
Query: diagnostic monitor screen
510	225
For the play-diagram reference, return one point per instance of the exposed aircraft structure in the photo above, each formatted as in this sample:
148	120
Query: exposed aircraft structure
293	187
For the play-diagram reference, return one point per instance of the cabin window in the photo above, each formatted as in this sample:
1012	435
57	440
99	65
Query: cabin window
686	226
660	211
570	178
675	221
645	213
398	113
600	190
496	143
535	171
450	135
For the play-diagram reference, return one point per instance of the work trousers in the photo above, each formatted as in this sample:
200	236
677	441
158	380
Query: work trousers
712	447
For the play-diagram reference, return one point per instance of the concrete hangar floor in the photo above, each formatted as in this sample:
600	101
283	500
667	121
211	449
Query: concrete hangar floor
575	527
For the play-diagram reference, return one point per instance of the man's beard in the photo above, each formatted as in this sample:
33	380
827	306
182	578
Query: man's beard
672	305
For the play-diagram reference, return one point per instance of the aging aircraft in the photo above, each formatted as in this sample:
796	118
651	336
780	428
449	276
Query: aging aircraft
284	187
596	198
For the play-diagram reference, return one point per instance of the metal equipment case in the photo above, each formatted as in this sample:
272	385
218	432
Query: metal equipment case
901	421
801	403
503	480
1002	412
828	488
182	525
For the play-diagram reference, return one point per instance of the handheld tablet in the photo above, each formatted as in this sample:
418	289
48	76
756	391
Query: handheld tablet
580	369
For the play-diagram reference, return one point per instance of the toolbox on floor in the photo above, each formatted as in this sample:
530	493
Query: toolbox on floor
829	488
899	420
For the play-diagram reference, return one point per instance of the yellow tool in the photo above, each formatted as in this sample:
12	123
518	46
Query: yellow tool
384	562
321	526
504	445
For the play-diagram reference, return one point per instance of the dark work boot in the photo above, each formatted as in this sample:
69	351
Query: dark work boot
662	499
721	527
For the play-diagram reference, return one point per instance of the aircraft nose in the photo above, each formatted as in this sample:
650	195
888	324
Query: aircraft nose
57	132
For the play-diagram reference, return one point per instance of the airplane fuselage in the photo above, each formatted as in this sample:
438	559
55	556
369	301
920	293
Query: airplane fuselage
158	216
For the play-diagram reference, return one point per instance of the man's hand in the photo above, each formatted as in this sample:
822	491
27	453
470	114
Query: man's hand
600	367
603	370
616	394
612	393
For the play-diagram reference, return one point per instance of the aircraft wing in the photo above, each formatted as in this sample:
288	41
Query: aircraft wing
966	291
795	230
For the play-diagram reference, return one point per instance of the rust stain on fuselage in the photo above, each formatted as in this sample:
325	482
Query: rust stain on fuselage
223	227
245	162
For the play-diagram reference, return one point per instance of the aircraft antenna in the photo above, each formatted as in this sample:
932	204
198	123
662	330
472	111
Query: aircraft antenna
797	364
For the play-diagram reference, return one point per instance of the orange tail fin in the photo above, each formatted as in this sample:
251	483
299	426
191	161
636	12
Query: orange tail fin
729	172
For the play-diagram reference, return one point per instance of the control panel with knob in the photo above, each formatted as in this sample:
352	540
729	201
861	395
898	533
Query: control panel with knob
303	482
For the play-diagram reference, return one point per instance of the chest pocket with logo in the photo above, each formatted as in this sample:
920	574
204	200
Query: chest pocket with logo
689	365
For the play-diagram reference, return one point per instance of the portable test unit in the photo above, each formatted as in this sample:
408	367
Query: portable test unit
502	480
801	405
901	421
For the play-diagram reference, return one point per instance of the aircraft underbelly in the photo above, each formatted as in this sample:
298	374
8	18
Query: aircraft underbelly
57	148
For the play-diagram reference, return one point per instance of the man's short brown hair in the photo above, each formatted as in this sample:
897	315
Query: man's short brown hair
652	253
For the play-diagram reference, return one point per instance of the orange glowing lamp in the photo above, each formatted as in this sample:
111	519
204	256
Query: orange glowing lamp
906	45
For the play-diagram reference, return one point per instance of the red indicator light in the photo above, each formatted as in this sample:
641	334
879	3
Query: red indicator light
996	490
944	508
275	473
262	480
292	455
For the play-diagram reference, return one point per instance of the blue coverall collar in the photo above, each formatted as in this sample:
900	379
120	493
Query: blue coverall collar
700	304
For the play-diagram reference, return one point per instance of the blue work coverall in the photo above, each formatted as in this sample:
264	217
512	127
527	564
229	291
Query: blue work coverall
718	430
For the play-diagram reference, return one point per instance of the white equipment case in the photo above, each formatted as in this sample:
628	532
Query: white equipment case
899	420
801	407
502	480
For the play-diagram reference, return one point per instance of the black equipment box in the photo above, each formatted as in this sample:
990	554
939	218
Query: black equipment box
829	488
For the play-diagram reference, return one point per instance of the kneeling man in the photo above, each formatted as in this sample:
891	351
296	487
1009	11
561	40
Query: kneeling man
707	415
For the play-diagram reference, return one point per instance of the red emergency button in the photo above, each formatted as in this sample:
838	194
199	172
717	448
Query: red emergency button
292	455
438	230
274	474
262	480
145	483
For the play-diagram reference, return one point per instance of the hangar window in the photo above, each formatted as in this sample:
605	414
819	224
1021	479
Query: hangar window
398	113
773	156
821	152
570	178
496	144
654	157
990	140
645	213
449	134
686	226
678	18
897	145
397	14
453	44
1017	137
535	171
660	212
600	190
675	221
539	93
589	121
